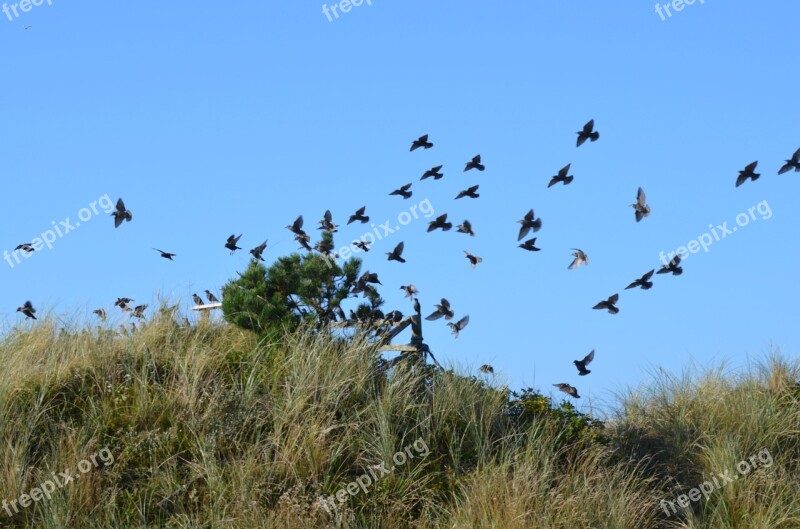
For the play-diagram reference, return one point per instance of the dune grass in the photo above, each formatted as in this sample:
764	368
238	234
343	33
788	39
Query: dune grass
211	427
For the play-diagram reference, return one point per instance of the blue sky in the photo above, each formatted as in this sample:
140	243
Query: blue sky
219	118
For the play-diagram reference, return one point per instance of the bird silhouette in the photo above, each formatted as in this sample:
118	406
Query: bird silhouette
433	172
258	250
562	177
440	223
748	172
359	215
581	364
325	246
474	260
121	214
326	223
530	245
643	282
475	163
364	245
211	297
197	300
138	311
396	254
609	304
410	290
569	390
304	239
25	247
231	244
442	309
459	325
486	368
465	227
640	207
121	302
422	141
403	191
297	226
165	255
580	258
28	310
588	133
417	308
101	313
469	192
794	163
672	267
529	223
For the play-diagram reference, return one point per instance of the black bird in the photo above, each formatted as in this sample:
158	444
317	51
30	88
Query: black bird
394	317
794	163
440	222
121	302
529	223
433	172
362	244
562	177
258	250
101	313
211	297
27	309
486	368
640	206
609	304
442	309
459	325
25	247
165	255
325	246
474	260
465	227
197	299
569	390
138	311
359	215
672	267
370	277
581	364
297	226
417	308
421	142
326	223
588	133
475	163
396	254
469	192
403	191
121	214
231	244
530	245
749	172
410	290
304	239
643	282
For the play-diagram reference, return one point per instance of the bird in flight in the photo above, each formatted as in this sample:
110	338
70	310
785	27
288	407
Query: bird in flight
442	309
469	192
27	309
211	297
640	207
580	258
197	300
25	247
403	191
359	215
643	282
138	311
581	364
465	227
433	172
121	302
475	163
396	254
364	245
748	172
530	245
326	223
609	304
486	368
297	226
101	313
794	163
529	223
410	290
165	255
562	177
121	214
231	244
588	133
673	267
569	390
474	260
422	141
440	222
459	325
258	250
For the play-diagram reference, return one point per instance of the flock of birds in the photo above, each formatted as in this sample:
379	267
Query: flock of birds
529	223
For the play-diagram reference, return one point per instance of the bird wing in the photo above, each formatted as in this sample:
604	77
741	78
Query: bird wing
751	167
120	205
588	127
613	299
641	198
648	275
588	359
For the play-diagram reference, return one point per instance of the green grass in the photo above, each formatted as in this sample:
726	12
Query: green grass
210	427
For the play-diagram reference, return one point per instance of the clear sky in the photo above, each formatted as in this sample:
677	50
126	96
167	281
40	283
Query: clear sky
219	118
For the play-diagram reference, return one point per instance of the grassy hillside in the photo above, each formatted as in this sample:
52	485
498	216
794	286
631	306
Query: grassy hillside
204	426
